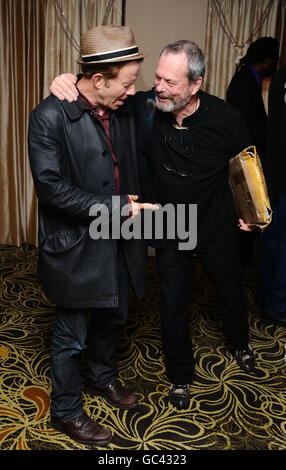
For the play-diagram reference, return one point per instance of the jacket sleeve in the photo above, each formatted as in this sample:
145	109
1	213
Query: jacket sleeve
47	165
237	132
239	94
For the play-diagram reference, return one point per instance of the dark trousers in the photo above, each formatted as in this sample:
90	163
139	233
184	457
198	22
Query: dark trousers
273	262
223	265
97	333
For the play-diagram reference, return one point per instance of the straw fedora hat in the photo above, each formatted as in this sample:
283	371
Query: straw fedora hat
104	44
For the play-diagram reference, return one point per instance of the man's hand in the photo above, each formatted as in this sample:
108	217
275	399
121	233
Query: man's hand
243	226
63	87
136	207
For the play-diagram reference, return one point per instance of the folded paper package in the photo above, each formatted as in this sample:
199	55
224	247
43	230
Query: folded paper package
249	188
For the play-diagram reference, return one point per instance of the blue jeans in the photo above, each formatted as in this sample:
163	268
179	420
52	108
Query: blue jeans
97	333
273	262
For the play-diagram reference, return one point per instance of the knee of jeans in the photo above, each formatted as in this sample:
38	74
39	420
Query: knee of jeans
66	343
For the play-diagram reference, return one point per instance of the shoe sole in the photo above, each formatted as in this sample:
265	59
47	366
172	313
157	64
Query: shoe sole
116	405
103	443
248	371
178	405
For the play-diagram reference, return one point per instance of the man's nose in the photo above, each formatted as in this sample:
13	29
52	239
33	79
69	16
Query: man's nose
131	90
159	85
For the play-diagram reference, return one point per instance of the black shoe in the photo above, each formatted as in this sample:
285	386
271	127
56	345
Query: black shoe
245	358
83	430
179	396
115	394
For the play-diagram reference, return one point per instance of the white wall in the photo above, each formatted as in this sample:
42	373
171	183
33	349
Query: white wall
158	22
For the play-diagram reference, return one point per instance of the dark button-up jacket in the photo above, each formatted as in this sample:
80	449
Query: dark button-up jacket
73	170
245	94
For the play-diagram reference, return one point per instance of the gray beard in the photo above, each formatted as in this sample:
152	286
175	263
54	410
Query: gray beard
172	106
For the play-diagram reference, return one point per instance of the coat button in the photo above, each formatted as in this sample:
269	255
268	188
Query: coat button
105	183
104	153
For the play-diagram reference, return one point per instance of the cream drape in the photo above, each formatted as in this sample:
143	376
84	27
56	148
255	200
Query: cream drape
242	17
63	33
21	82
34	48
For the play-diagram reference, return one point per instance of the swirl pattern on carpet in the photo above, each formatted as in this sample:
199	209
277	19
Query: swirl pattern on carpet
229	409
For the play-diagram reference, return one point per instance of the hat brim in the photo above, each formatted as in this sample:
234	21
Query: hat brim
113	61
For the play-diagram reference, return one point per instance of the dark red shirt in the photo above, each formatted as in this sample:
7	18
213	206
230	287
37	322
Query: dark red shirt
105	122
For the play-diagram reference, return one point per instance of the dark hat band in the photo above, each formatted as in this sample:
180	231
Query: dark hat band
111	55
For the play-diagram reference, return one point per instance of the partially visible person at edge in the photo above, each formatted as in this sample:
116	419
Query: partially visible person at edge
245	94
245	89
272	286
83	157
185	140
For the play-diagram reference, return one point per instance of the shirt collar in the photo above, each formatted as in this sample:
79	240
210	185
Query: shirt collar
257	78
201	109
93	107
75	109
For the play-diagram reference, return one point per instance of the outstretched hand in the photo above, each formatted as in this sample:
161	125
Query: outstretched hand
138	206
63	87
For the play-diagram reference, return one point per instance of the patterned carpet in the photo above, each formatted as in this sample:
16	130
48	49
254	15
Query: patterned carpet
229	410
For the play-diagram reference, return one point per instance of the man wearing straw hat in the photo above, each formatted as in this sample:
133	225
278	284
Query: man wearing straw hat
83	159
185	138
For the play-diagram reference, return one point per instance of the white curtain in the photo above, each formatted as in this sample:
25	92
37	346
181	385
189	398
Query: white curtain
66	20
231	26
39	39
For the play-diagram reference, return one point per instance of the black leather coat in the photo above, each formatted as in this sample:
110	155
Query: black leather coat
73	169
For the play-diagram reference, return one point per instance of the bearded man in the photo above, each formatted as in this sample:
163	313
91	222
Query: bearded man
185	139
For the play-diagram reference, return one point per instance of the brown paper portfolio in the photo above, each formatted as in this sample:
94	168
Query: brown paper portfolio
249	188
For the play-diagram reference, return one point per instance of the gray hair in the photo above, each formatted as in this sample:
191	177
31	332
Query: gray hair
196	58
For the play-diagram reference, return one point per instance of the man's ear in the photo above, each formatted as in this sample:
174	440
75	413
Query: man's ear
196	85
98	81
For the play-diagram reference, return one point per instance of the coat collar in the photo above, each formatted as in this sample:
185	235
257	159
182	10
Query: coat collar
75	109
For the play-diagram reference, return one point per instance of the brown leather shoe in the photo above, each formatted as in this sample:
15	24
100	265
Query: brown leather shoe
83	430
115	394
